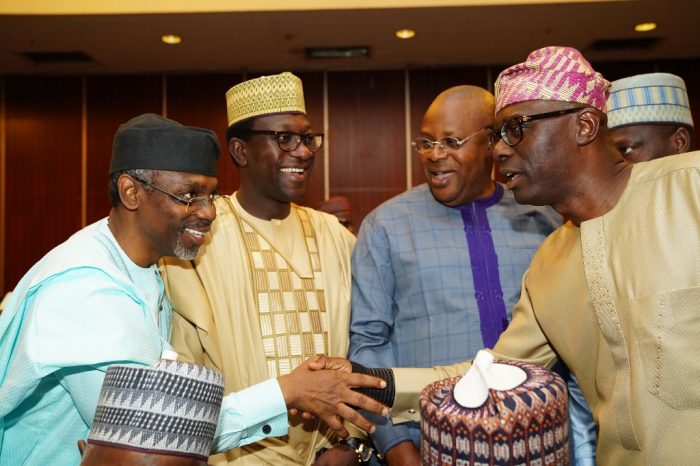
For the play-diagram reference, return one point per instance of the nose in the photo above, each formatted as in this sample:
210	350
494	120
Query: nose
500	150
437	152
302	152
207	212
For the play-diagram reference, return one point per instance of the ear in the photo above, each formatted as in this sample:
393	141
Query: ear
237	149
589	122
128	192
680	140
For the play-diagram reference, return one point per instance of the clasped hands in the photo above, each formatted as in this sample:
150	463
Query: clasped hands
323	386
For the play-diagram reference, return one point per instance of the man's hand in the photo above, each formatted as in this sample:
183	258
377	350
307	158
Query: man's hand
403	454
328	362
339	455
327	393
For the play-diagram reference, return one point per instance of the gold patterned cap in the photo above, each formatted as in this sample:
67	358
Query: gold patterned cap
266	95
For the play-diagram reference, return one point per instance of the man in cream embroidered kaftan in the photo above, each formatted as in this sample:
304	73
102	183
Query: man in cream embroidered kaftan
293	303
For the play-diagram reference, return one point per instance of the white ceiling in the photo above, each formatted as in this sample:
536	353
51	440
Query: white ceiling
276	40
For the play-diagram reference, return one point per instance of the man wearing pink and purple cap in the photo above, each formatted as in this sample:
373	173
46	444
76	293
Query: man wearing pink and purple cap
614	292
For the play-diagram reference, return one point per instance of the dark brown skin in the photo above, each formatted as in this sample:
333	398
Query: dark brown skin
99	455
404	453
639	143
265	190
568	163
328	394
340	455
459	176
148	223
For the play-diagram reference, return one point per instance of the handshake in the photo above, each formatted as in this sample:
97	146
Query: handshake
328	388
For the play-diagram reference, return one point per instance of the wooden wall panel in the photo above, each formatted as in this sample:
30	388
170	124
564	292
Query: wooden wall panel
43	183
367	137
425	86
200	100
618	70
366	132
111	101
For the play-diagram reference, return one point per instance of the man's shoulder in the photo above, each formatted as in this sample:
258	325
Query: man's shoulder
666	166
509	207
406	203
325	224
87	248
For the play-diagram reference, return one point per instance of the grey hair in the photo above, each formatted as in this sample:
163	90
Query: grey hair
146	175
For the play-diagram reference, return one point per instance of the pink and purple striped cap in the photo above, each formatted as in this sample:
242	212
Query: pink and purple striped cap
552	73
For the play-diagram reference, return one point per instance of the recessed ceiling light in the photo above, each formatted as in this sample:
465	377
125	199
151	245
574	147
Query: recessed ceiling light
405	33
645	27
171	39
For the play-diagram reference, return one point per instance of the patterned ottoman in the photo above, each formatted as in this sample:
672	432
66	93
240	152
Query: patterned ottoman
525	425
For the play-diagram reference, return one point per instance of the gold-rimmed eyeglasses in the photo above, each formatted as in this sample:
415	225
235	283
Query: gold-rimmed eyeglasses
424	146
192	204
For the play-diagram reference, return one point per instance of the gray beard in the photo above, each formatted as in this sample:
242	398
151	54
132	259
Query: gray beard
184	253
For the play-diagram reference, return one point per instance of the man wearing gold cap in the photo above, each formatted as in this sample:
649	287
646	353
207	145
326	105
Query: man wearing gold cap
613	292
272	285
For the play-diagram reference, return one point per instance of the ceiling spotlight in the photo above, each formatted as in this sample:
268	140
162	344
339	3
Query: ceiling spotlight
645	27
171	39
405	33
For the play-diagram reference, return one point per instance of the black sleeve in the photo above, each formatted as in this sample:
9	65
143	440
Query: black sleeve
383	395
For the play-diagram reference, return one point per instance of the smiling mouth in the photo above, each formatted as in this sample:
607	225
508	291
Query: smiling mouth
195	233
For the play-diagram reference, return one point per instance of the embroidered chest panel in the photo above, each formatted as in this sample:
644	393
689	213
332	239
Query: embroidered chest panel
291	307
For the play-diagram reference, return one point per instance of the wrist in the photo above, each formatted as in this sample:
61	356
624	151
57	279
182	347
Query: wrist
363	449
287	389
383	395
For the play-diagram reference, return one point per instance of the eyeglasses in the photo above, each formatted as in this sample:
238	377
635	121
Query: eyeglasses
289	141
512	129
425	146
192	205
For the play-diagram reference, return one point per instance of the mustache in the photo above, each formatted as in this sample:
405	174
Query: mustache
198	224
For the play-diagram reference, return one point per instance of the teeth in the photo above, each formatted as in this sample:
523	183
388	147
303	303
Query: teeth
510	176
293	170
195	232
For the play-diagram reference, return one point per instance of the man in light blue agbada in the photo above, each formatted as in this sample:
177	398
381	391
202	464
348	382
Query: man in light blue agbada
98	299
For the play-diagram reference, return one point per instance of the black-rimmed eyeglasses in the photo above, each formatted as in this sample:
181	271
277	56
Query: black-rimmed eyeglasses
192	205
512	129
424	146
289	141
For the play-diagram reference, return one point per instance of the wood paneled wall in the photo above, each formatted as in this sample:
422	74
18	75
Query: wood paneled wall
56	139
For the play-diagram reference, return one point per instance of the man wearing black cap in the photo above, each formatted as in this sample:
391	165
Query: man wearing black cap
98	299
